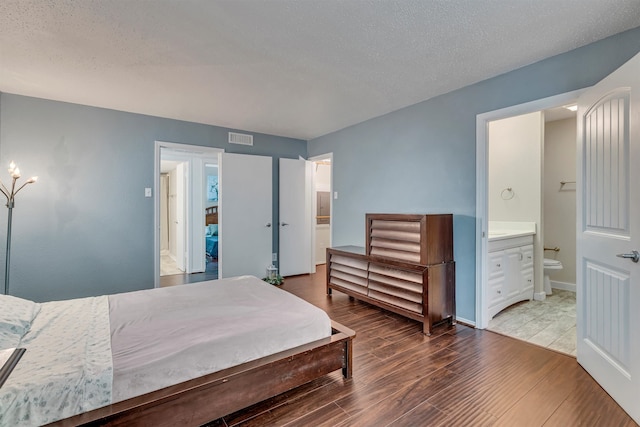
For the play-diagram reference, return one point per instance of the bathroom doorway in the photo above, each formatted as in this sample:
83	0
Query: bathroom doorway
322	207
536	189
550	319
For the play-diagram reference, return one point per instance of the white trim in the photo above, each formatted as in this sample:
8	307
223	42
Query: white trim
563	286
465	321
482	122
192	150
540	296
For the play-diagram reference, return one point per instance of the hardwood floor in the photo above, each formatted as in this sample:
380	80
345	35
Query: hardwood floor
457	377
211	273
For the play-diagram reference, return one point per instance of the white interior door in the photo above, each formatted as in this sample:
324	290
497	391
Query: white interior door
245	215
180	225
608	200
296	190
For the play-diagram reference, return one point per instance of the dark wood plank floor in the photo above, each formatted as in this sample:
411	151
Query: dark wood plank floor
459	376
211	273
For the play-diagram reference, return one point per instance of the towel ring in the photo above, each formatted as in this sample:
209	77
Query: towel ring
509	193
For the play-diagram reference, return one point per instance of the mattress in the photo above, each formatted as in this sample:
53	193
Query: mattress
165	336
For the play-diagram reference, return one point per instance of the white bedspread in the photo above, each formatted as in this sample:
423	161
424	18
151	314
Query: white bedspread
67	367
165	336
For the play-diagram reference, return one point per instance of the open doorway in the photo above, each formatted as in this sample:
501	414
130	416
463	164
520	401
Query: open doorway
322	207
212	219
172	217
531	217
483	272
181	186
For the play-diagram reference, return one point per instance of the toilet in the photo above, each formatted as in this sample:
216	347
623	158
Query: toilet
550	264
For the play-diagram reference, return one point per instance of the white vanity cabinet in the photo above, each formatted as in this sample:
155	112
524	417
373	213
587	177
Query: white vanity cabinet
510	272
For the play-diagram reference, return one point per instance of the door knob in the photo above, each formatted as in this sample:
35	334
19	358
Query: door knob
268	224
633	256
284	224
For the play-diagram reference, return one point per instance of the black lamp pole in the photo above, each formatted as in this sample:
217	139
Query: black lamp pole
10	195
8	262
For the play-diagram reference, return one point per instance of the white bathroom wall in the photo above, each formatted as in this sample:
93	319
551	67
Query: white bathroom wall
323	177
515	161
560	201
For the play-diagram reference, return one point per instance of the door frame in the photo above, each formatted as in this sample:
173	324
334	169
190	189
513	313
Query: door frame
195	151
482	169
314	208
182	201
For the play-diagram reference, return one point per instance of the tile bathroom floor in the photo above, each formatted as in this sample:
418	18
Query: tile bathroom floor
550	323
168	265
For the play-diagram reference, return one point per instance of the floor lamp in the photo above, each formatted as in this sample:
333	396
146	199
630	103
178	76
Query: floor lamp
14	171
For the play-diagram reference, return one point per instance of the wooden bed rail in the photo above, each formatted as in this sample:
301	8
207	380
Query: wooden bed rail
207	398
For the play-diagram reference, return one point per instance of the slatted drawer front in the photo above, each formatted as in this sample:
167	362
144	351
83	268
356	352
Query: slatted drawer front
398	287
349	273
395	239
360	272
393	300
348	285
350	262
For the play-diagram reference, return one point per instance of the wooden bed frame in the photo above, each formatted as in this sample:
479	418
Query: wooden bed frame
207	398
211	215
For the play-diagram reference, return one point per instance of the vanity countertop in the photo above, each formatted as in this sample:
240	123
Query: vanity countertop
508	234
500	230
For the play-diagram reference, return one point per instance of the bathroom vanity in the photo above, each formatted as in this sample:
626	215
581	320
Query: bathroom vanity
510	272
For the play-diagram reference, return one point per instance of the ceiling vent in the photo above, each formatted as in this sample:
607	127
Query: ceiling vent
240	138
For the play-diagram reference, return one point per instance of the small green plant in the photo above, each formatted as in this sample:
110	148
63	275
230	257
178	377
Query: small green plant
278	280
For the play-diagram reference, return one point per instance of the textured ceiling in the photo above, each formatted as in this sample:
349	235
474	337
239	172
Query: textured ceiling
297	68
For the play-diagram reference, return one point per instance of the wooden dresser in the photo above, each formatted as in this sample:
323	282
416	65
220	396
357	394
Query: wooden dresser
407	267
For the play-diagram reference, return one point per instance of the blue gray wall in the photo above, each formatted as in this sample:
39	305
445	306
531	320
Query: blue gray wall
86	228
421	159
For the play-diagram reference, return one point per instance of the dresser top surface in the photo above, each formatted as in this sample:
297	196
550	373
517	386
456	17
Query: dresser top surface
358	250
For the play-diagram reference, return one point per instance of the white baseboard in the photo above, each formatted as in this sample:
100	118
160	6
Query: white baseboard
563	286
540	296
465	321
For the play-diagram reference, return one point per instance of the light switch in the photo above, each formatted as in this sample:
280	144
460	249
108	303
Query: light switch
335	195
147	192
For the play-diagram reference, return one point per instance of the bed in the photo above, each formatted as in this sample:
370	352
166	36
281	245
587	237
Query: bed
211	240
211	215
180	355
